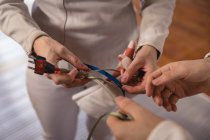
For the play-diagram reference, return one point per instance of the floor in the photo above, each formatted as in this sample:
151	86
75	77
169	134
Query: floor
189	36
189	39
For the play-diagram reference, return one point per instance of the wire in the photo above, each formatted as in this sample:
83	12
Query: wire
109	76
95	125
121	116
101	82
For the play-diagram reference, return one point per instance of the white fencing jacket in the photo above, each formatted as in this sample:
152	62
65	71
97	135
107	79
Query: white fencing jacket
90	29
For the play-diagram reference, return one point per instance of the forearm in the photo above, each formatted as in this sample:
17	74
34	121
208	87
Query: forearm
156	18
18	24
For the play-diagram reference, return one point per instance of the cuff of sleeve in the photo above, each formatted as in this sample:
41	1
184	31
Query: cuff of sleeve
140	45
157	44
28	45
169	130
207	55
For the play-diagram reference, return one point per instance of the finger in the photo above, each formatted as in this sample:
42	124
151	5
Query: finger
149	86
117	126
60	79
113	121
128	106
166	94
71	58
174	107
164	78
139	89
157	95
173	99
166	74
167	105
73	73
76	83
131	70
118	72
130	49
157	73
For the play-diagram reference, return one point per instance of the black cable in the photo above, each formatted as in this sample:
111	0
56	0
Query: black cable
94	126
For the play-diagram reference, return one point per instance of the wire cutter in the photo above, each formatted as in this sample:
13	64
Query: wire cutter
42	66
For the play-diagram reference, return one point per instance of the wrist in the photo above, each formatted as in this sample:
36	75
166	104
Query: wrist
39	45
148	51
207	61
207	64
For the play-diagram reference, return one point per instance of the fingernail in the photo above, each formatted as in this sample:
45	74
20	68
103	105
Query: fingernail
176	100
168	108
174	108
124	78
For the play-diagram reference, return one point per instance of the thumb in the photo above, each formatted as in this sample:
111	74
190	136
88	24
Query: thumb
165	74
131	70
128	106
71	58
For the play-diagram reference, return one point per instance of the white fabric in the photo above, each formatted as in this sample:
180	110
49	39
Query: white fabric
97	100
96	18
169	130
207	55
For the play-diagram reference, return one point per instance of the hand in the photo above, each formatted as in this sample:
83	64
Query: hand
54	52
134	129
145	60
178	80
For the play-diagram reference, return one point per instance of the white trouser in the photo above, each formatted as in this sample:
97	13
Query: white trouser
56	110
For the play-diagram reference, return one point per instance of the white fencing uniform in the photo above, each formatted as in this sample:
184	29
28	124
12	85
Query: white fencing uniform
96	31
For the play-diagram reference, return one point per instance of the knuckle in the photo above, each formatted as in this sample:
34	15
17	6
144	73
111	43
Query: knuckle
125	103
75	60
57	82
61	50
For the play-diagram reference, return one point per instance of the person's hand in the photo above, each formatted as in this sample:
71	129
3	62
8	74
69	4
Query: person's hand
177	80
134	129
146	61
53	51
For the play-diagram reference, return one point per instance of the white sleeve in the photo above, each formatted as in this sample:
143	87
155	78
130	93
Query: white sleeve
207	55
169	130
17	23
156	18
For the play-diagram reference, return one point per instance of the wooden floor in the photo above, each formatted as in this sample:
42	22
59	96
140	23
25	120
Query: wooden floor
189	36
